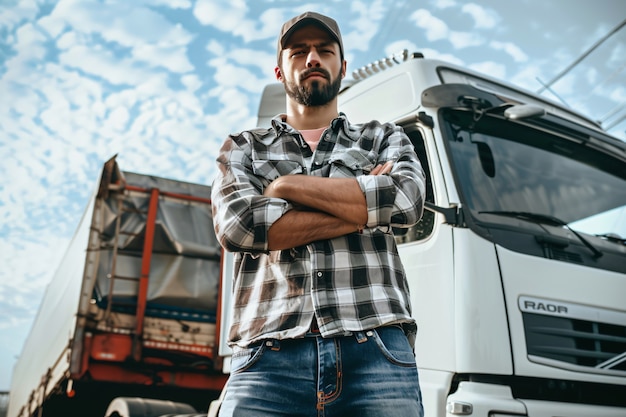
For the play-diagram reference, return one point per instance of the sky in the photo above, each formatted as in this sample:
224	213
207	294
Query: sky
161	83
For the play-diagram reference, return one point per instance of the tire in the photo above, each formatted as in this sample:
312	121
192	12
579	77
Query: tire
184	415
146	407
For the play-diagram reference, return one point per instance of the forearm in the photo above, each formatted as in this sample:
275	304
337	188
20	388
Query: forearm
339	197
296	228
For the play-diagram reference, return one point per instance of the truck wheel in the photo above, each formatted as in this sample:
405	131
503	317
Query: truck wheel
184	415
145	407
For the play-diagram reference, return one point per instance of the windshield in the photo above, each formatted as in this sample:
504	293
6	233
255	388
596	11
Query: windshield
505	167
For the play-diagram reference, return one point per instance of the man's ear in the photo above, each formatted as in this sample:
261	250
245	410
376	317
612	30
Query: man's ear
279	74
344	66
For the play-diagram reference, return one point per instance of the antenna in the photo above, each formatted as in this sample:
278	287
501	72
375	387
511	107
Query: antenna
583	56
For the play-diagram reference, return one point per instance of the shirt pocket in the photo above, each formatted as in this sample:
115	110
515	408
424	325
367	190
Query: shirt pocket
350	163
269	170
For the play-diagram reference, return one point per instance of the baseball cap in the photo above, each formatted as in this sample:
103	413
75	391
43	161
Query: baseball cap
295	23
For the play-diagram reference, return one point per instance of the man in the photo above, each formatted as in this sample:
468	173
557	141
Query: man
322	320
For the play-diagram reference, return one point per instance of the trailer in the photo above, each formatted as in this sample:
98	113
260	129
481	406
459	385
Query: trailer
129	323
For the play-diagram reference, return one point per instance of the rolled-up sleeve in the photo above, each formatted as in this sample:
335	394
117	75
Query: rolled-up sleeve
242	216
396	199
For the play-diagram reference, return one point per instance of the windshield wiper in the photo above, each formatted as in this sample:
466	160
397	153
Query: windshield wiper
612	237
545	218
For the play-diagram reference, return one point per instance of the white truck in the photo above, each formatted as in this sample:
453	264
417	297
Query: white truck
518	267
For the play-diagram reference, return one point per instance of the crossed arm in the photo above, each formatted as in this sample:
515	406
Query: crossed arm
326	208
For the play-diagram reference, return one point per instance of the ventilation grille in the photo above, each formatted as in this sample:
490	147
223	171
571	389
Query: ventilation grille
562	255
578	342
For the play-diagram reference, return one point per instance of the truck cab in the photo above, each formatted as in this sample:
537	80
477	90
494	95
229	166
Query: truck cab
518	266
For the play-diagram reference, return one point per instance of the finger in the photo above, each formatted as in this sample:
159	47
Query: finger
386	169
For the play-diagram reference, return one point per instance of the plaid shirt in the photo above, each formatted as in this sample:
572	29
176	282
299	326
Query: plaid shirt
350	283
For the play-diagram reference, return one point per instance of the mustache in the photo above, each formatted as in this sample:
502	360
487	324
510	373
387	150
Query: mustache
311	71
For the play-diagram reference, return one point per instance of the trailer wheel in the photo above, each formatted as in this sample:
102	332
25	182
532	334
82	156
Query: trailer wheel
145	407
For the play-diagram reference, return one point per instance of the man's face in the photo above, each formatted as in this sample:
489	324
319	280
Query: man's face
311	66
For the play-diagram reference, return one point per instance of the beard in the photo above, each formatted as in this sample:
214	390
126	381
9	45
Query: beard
317	93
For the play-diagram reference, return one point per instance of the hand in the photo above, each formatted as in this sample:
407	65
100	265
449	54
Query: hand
382	169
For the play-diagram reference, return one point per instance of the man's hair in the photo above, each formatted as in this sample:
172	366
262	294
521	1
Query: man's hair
290	26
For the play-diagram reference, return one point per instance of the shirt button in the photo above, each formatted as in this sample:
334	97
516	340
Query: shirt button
320	274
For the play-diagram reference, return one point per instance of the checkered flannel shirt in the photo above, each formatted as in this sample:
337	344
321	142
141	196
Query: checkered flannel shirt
350	283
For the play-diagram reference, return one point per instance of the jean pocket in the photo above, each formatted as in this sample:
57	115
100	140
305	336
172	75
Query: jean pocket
395	346
243	358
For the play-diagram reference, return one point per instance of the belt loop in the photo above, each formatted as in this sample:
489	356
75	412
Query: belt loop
360	337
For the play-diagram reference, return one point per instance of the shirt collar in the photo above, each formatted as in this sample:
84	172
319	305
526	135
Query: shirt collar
281	126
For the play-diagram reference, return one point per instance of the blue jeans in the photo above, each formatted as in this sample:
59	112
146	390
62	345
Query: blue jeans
368	374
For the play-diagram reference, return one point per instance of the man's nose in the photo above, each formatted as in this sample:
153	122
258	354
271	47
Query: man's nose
313	59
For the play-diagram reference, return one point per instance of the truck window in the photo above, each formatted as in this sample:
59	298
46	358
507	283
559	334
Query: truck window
540	184
424	227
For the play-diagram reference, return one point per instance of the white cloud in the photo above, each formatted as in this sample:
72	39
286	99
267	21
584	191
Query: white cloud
229	75
102	63
493	69
618	94
363	25
526	76
53	26
224	15
616	55
230	17
511	49
30	43
147	36
120	22
266	26
460	40
191	82
173	58
118	119
171	4
215	47
435	28
397	46
67	40
13	13
447	57
23	291
483	17
262	60
443	4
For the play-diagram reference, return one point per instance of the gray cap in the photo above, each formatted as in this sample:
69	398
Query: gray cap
292	25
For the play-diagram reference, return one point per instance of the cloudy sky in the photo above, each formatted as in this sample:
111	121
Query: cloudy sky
162	82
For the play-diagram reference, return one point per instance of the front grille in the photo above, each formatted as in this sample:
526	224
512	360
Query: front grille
577	342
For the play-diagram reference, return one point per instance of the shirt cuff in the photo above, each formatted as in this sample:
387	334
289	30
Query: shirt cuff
264	216
379	195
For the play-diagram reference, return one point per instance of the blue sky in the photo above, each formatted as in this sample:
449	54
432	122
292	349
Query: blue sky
162	82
